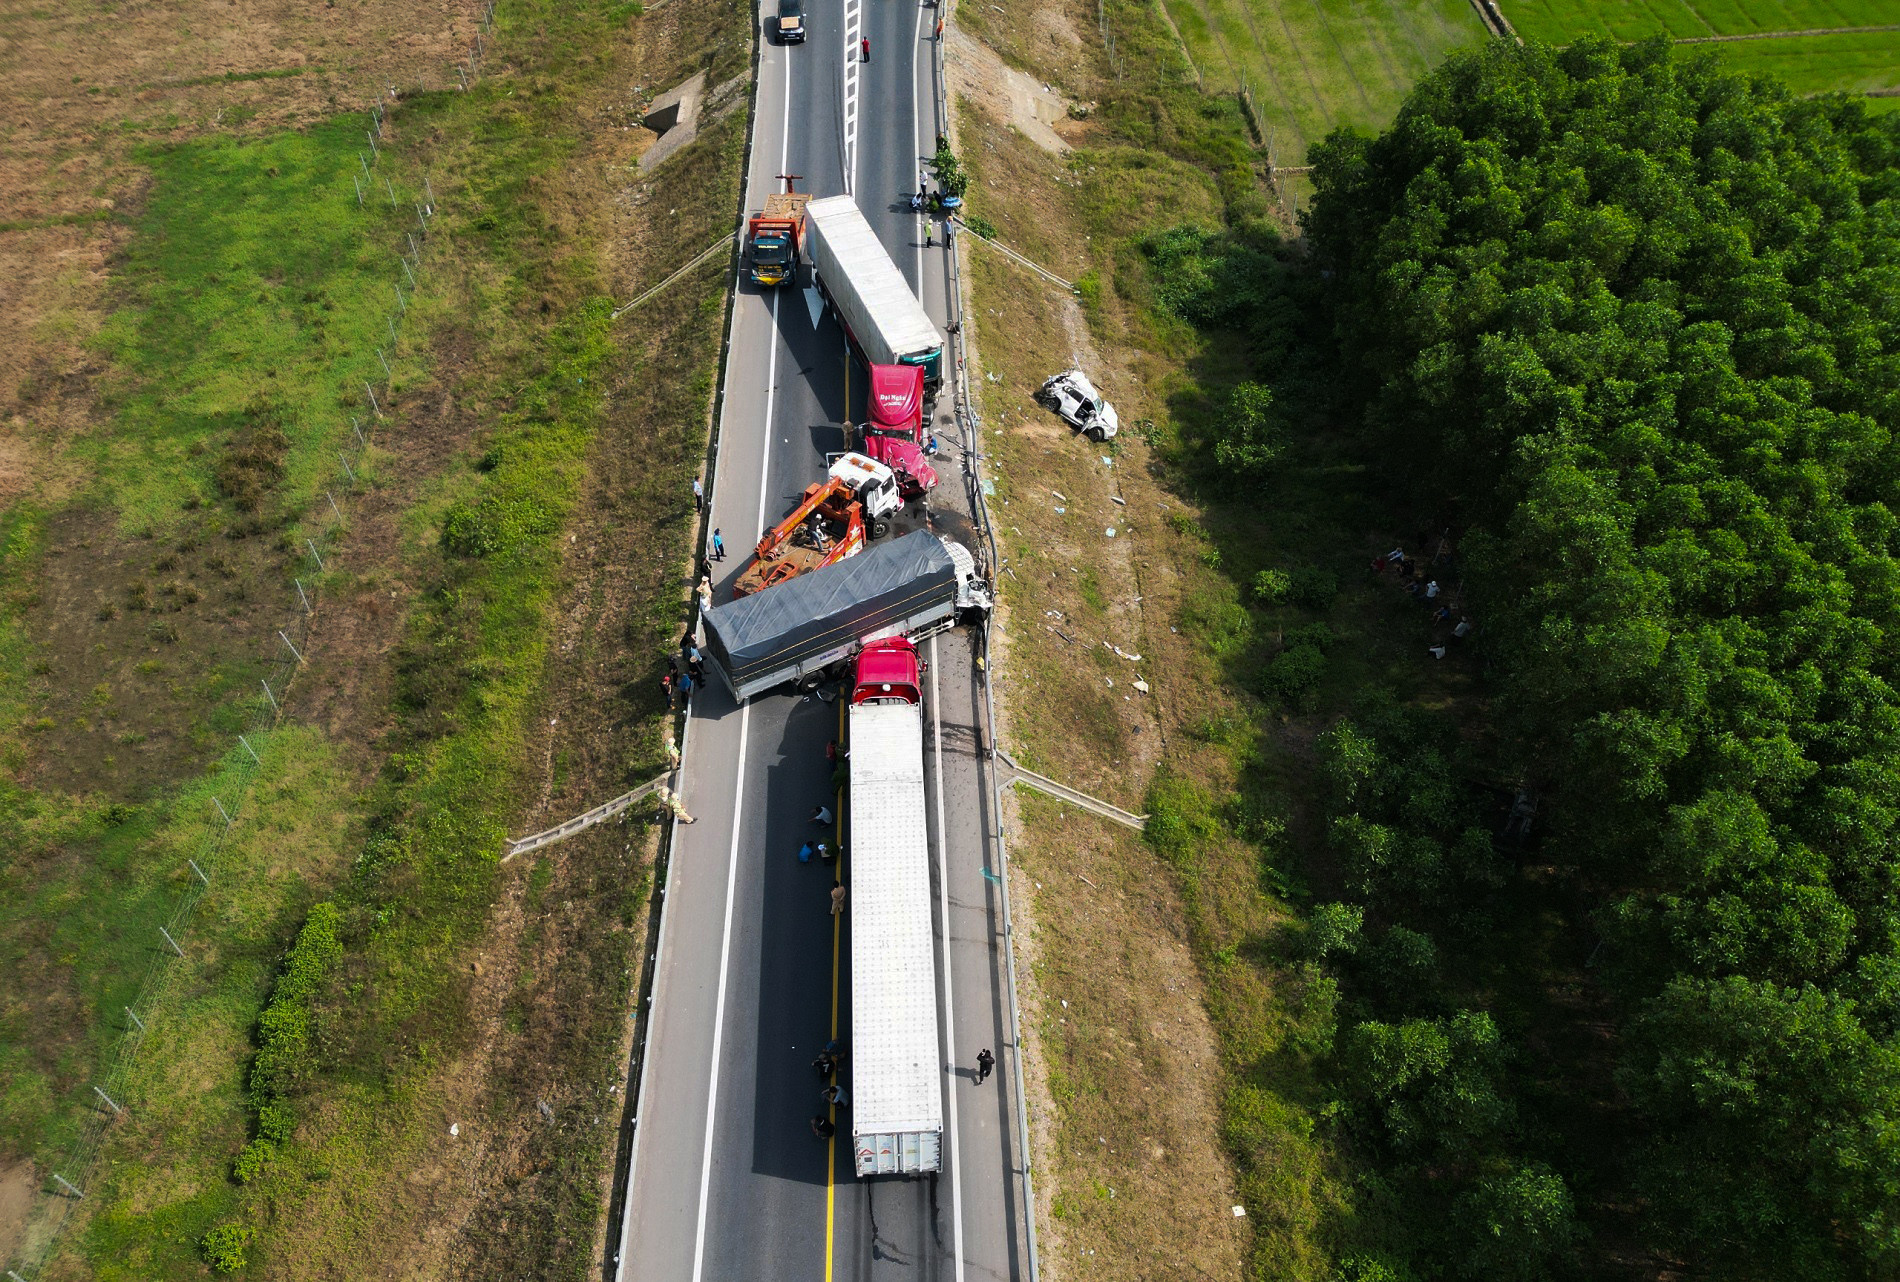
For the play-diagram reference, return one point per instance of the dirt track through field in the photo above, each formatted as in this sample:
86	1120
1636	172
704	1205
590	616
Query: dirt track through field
1788	35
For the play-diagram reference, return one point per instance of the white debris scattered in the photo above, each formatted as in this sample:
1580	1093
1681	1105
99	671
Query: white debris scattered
1121	653
1061	511
1059	494
1113	498
1111	531
455	1128
1240	1212
1141	685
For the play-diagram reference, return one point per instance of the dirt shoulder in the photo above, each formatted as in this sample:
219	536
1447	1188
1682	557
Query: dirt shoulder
1126	1071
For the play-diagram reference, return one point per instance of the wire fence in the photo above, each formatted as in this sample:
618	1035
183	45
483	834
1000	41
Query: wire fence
113	1091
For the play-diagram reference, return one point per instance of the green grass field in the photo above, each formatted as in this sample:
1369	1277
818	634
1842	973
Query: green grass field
1316	65
258	283
1851	62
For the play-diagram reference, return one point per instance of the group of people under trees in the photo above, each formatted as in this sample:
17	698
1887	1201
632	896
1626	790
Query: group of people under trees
1422	587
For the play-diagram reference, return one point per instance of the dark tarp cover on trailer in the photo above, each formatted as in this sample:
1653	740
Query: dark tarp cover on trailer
819	611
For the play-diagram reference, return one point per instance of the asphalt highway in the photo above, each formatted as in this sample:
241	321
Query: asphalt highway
727	1179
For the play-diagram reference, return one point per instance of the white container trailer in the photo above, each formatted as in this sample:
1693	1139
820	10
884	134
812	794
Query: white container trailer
897	1082
881	315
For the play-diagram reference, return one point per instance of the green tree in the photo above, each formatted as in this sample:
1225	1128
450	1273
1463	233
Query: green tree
1516	1227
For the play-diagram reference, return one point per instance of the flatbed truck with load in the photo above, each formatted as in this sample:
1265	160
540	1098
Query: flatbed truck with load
882	317
808	630
896	1086
773	235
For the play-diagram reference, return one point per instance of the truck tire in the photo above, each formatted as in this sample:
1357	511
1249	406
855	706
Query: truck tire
877	529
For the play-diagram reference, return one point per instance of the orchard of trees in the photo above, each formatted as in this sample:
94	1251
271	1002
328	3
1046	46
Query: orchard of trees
1636	321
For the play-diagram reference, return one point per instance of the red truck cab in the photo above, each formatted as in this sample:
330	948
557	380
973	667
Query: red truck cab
894	432
888	671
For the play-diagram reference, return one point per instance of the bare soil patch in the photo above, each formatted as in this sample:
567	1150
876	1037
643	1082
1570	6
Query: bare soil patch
978	73
18	1183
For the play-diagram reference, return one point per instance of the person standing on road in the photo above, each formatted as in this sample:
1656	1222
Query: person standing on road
834	1095
984	1063
821	814
930	227
805	853
864	48
718	546
821	1127
837	900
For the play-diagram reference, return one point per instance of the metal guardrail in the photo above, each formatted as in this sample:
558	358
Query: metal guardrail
698	258
585	820
1062	792
1021	259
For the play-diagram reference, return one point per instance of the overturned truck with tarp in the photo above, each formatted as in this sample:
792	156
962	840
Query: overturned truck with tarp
804	632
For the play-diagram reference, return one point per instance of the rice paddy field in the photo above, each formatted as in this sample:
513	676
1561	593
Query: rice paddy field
1815	46
1312	66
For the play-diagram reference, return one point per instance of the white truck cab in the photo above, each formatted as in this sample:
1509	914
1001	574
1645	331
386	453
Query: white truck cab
874	485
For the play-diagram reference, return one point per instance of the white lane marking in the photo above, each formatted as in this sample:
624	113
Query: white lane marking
738	788
917	153
853	51
653	1005
949	1008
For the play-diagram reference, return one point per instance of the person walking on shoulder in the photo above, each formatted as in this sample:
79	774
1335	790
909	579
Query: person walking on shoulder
699	495
718	545
984	1063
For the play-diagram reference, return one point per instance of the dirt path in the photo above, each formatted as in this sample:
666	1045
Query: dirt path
1788	35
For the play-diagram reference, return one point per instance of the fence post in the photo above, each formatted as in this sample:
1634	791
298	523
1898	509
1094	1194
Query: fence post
116	1110
173	942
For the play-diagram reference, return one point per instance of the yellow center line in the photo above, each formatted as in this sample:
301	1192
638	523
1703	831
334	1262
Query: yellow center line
837	932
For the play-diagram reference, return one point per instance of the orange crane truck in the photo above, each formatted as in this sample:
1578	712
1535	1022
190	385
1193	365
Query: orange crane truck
773	235
829	524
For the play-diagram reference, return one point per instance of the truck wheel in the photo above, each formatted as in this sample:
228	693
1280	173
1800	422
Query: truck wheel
877	529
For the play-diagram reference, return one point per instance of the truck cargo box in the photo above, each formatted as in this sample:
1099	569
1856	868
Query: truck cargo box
800	627
883	317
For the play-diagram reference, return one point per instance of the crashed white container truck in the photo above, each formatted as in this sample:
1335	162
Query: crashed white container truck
882	317
897	1088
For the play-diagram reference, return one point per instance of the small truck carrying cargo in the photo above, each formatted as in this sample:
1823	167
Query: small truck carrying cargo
803	632
882	318
774	234
896	1085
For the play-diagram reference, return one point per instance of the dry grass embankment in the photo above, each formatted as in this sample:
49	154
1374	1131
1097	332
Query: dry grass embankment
1139	1023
